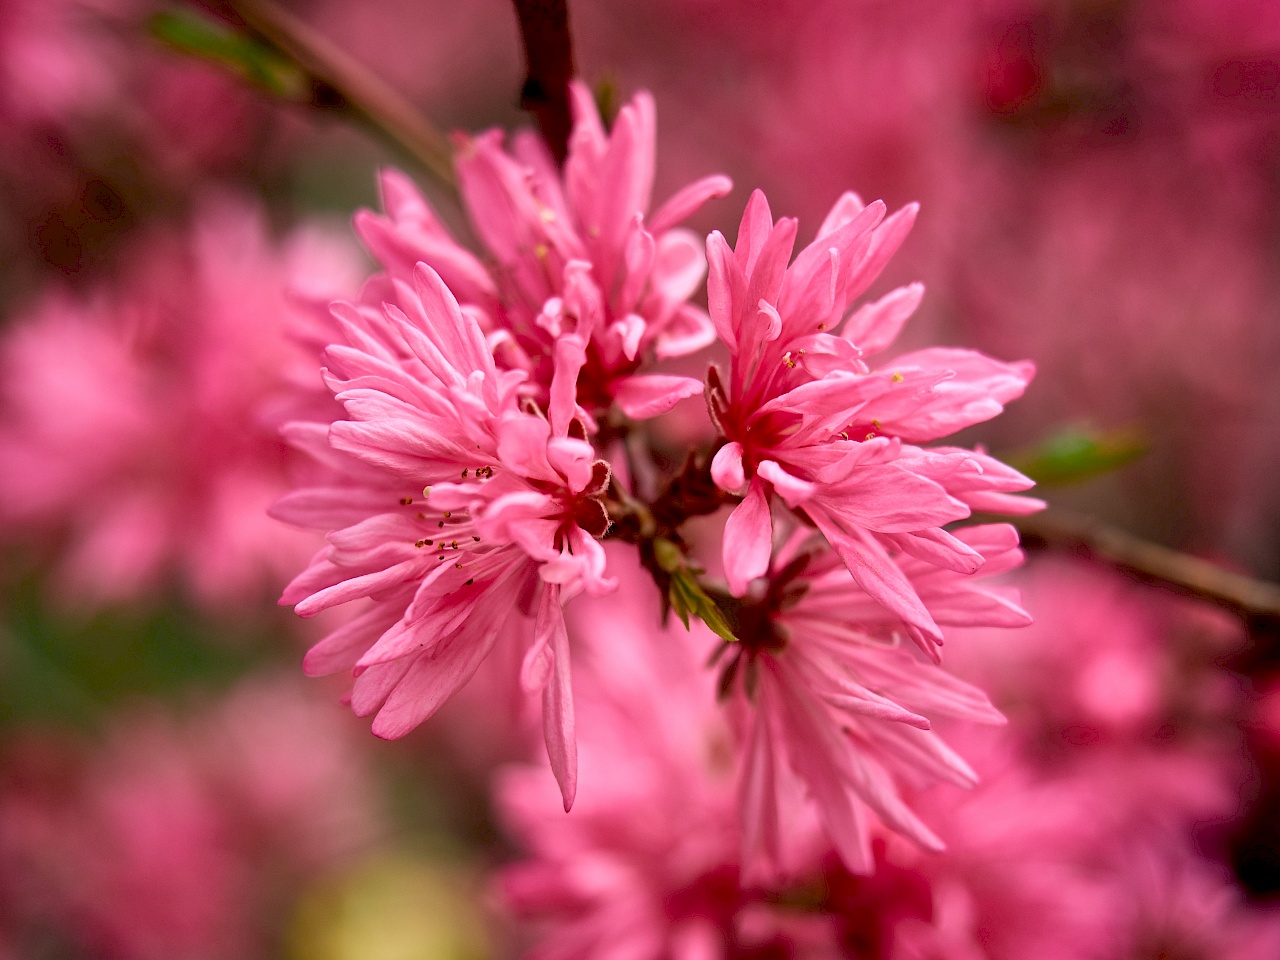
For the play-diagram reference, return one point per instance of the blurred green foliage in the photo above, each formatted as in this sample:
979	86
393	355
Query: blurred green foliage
201	36
1077	453
74	668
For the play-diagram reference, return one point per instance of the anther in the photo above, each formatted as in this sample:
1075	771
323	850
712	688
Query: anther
406	500
897	377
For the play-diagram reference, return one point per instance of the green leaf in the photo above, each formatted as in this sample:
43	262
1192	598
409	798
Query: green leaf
1075	454
200	36
670	558
687	596
685	593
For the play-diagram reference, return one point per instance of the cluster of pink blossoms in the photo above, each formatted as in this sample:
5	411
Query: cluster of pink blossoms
490	437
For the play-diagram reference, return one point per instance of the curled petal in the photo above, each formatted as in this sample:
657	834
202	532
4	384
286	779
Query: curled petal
726	468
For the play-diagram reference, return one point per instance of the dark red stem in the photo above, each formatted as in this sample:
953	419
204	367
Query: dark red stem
548	52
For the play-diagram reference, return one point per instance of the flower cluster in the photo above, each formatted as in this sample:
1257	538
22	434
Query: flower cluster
489	441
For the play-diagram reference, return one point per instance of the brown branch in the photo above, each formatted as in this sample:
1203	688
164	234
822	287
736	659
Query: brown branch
342	81
548	53
1149	561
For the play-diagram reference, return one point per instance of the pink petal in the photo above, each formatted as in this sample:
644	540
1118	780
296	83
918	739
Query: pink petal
792	489
748	540
875	326
570	355
648	395
688	331
726	467
557	695
686	201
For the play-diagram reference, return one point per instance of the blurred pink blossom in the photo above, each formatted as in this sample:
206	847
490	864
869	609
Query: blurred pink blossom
181	838
142	416
1107	662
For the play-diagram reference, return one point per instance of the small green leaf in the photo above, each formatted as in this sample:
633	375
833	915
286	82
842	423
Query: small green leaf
1075	454
687	596
685	593
670	558
200	36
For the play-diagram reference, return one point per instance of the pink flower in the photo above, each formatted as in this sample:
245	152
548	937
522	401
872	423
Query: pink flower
502	535
646	866
1107	663
179	838
1085	860
139	419
577	252
824	694
805	418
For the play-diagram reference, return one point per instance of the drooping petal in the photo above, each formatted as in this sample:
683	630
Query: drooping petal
748	540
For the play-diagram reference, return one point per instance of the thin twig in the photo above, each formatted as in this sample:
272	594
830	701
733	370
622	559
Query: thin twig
1061	530
548	53
348	83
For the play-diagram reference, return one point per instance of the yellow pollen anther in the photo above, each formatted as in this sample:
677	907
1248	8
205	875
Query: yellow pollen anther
897	377
871	436
405	501
876	424
464	473
448	513
540	251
